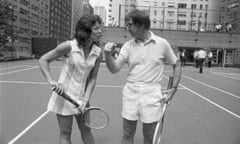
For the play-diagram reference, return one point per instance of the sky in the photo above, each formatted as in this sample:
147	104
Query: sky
99	2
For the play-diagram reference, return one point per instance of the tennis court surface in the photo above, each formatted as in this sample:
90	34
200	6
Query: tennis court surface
205	109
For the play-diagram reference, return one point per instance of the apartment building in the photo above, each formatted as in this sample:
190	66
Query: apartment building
113	12
55	19
77	10
171	14
230	14
87	8
60	19
31	19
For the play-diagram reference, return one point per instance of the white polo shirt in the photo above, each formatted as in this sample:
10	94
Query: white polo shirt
202	54
146	60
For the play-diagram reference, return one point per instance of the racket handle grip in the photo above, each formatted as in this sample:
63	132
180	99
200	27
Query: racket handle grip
66	96
169	86
170	82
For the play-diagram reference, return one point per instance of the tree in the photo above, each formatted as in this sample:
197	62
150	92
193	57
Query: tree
6	14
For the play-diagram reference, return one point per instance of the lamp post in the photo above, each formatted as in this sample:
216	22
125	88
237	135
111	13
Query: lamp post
199	23
12	29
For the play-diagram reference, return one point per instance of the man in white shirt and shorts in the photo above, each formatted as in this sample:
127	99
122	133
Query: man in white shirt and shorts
145	55
201	56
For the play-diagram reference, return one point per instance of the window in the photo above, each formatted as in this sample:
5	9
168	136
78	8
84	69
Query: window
170	23
182	5
206	7
193	14
182	14
181	22
206	14
171	4
35	8
155	12
171	13
193	6
24	12
24	21
24	2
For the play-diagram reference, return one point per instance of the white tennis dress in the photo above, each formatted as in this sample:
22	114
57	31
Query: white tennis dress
73	76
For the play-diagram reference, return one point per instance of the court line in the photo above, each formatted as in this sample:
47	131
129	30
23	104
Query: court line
46	112
227	76
208	100
234	74
18	71
13	67
226	92
24	82
27	128
211	102
41	116
44	83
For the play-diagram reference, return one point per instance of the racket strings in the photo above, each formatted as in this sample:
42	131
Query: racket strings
96	119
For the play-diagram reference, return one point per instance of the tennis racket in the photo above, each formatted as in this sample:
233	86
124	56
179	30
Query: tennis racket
159	127
93	117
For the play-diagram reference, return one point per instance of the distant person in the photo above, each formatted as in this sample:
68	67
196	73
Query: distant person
218	27
201	58
202	29
77	78
183	57
178	53
145	54
220	57
195	56
210	56
113	22
229	27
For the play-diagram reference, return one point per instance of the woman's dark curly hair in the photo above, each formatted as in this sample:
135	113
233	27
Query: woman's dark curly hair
84	27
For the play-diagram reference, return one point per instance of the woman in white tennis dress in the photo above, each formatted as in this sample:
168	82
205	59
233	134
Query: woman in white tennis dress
78	75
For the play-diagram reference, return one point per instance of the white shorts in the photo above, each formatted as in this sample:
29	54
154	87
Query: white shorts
142	102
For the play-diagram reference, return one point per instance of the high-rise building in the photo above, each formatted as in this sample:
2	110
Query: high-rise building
60	19
113	12
87	8
30	19
171	14
77	11
101	11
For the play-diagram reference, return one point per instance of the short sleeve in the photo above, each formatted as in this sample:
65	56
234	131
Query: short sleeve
169	53
124	52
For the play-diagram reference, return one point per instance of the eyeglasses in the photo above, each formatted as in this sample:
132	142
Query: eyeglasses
128	25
